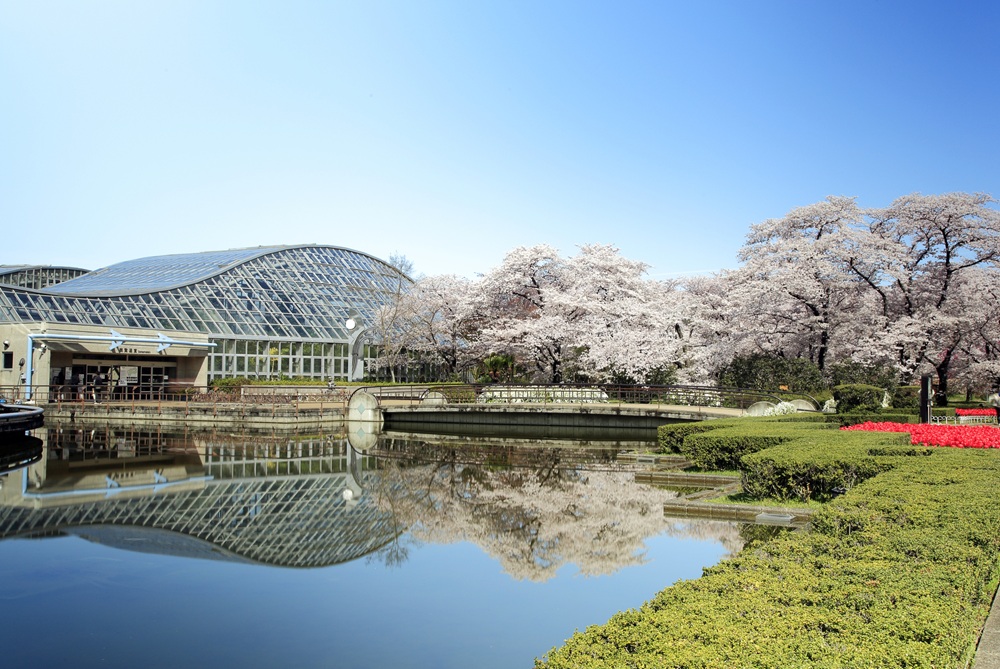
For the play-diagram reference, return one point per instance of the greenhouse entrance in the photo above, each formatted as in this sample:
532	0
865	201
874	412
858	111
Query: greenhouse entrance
103	379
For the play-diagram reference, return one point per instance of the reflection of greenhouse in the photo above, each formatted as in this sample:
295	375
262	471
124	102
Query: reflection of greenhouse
266	504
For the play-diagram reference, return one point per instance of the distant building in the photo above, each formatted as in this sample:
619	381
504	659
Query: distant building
140	325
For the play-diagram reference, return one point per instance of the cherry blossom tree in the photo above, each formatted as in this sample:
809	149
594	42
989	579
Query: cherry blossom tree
594	313
909	285
980	348
626	322
389	328
834	282
439	321
913	257
520	310
794	280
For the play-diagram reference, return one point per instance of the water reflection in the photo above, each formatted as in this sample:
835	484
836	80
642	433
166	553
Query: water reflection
313	500
534	509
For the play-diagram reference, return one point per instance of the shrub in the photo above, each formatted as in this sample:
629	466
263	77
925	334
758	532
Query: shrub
850	372
723	449
818	466
844	419
723	445
457	394
671	436
762	371
906	397
230	383
897	572
856	397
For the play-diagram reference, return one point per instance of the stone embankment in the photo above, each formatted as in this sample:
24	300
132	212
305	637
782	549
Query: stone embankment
303	414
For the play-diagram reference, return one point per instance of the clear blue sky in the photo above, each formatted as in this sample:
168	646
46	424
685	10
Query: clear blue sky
452	132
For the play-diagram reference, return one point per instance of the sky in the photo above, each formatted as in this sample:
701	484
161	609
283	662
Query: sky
453	131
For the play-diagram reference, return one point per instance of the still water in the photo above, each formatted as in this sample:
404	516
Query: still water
126	546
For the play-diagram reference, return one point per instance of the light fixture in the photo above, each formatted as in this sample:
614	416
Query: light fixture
6	344
351	324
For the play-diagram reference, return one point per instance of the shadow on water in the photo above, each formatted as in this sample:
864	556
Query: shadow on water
19	451
528	433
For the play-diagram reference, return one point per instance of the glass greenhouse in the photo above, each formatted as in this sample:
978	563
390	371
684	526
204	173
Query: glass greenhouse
267	312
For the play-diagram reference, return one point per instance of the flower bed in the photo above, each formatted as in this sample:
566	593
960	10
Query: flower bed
975	412
955	436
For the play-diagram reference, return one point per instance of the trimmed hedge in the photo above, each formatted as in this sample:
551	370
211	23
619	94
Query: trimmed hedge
906	397
844	419
724	447
897	572
671	436
821	466
719	444
857	397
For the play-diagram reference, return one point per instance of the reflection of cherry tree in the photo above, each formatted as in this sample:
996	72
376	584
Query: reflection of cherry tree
533	521
728	533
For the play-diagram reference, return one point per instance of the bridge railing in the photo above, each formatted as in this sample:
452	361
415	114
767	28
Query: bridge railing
672	395
405	395
173	393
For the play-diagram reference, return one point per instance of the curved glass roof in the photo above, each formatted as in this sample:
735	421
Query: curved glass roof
11	269
287	293
37	276
155	273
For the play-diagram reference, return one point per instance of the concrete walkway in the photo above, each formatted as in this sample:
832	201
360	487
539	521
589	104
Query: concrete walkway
988	652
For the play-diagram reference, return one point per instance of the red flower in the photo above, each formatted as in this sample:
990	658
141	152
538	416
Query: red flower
930	434
975	412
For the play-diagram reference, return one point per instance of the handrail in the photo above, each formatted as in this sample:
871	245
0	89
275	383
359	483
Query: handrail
402	395
174	393
19	418
676	394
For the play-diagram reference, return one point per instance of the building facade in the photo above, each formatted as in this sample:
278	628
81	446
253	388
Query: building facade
141	325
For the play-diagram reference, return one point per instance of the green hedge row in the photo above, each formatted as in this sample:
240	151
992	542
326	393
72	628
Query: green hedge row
671	437
822	465
724	446
897	572
896	416
854	397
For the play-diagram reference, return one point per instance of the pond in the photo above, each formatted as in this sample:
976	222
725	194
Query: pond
129	546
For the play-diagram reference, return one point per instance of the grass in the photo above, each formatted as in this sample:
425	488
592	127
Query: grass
743	498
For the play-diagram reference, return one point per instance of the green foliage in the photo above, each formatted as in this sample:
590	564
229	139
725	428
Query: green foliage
724	449
818	465
906	397
457	394
672	435
858	398
498	367
853	373
760	371
844	419
899	571
229	383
